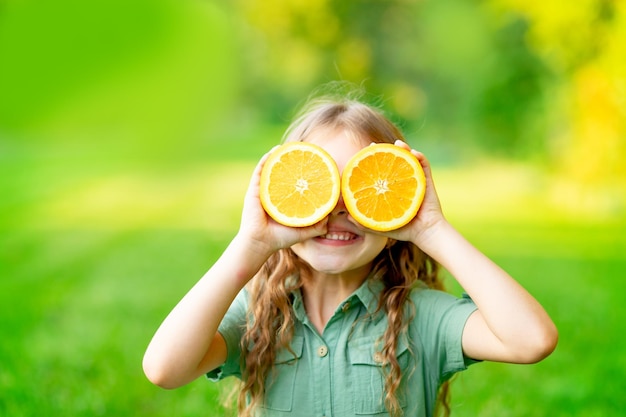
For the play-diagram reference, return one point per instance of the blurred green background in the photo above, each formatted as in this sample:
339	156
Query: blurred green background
129	129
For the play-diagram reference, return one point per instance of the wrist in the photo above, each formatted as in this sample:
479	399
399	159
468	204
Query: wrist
428	236
249	255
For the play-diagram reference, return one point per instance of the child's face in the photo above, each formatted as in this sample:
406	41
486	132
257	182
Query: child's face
344	249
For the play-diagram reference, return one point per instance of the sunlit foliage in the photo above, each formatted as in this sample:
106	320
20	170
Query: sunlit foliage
584	44
511	77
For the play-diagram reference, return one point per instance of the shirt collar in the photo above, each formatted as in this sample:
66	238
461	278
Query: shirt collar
368	294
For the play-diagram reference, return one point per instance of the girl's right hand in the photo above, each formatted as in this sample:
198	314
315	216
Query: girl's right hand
261	230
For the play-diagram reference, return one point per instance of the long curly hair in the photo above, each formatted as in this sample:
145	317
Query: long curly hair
271	317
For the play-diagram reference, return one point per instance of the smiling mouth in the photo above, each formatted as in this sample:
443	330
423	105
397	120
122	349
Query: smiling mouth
339	236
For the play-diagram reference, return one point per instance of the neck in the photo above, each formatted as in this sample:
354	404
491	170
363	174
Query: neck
322	294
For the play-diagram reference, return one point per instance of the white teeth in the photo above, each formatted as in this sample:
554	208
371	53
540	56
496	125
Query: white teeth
339	236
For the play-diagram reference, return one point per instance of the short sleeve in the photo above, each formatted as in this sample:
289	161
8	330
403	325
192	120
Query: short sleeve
232	328
441	318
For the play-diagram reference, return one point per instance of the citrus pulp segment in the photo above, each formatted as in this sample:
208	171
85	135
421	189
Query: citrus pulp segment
383	186
300	184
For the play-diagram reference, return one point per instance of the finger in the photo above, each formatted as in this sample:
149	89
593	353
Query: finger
319	228
256	175
363	228
421	157
402	144
300	234
263	159
423	162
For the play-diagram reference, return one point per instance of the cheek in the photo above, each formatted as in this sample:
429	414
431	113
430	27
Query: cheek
375	244
297	249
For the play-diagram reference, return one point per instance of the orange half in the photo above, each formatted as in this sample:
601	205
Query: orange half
383	186
300	184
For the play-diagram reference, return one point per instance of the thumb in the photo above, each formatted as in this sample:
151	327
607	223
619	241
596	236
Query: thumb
318	229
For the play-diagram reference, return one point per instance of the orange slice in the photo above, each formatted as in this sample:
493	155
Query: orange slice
383	186
300	184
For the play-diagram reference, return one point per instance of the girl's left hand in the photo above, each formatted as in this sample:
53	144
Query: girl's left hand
429	215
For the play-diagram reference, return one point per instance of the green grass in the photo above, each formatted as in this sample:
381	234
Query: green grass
78	308
584	375
94	253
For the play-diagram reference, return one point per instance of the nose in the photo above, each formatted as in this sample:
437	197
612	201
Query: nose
340	208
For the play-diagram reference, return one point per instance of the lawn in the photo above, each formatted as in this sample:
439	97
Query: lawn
95	251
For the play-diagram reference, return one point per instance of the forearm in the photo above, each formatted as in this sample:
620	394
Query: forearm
181	347
515	318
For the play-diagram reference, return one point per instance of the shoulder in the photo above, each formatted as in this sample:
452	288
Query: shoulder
434	309
436	323
431	298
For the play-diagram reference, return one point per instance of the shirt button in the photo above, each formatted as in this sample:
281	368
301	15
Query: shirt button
322	351
378	357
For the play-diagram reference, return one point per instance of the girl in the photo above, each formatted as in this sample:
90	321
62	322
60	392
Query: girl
338	320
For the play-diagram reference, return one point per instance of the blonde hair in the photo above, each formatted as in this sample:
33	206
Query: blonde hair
271	318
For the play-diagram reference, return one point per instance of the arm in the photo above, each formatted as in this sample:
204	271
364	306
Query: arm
509	325
187	344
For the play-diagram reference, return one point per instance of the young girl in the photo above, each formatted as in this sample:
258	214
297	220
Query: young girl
338	320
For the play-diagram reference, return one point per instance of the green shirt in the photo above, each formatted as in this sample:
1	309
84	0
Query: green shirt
338	373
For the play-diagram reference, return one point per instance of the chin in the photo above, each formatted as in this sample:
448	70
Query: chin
329	269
